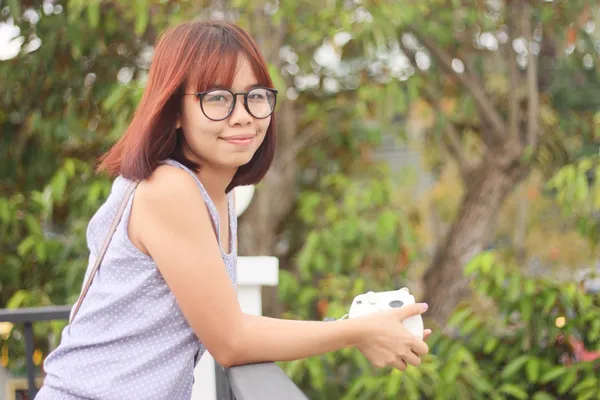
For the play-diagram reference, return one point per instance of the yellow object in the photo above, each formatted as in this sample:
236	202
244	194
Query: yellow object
560	322
37	357
4	356
5	329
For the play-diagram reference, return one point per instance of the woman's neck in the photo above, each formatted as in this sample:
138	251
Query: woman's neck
215	181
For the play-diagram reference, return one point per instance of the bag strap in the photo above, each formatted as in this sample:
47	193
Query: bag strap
111	232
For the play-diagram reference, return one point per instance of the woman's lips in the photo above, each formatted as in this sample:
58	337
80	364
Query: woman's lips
239	140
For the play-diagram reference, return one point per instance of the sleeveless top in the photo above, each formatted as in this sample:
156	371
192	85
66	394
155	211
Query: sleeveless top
130	339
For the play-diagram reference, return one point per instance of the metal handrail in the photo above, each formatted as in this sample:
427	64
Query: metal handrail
27	316
34	314
264	381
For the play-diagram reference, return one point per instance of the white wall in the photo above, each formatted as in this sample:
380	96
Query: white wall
253	273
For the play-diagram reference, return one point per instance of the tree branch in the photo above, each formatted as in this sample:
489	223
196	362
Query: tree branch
470	83
513	72
533	97
303	141
456	150
454	143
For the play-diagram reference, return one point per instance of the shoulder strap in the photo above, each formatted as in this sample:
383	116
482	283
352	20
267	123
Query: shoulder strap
107	240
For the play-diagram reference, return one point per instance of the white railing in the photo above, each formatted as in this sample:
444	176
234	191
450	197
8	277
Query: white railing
253	274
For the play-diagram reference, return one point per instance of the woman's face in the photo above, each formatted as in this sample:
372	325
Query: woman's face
226	144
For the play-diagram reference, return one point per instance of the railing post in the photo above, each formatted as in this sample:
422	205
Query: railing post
29	344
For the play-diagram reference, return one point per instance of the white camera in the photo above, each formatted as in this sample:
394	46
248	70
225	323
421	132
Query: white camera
371	302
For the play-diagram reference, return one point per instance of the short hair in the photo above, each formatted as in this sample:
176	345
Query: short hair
199	54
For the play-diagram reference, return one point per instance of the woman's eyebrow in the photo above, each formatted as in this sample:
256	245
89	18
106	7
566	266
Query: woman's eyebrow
219	86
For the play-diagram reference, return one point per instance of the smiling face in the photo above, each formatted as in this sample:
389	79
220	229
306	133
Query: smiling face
226	144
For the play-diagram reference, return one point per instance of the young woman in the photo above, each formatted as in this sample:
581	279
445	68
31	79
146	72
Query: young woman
165	289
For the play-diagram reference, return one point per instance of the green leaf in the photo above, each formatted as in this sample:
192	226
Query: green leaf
514	366
70	167
549	301
58	185
526	309
386	225
543	396
514	390
33	225
114	97
26	245
470	325
588	394
459	316
142	15
567	381
553	374
479	382
514	288
491	344
18	299
316	372
41	251
93	13
532	370
393	383
587	383
15	9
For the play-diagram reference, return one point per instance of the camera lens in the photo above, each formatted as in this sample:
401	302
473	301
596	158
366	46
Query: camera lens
396	303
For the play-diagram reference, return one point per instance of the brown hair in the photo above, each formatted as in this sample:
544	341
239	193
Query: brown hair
199	53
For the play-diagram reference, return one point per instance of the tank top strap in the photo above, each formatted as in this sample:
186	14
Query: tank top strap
209	203
232	223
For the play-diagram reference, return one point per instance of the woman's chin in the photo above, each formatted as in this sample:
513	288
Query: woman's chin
237	161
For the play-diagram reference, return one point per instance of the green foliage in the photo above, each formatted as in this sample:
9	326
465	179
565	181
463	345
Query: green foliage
518	348
577	188
64	103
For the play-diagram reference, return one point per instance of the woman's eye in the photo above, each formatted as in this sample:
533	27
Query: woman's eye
216	98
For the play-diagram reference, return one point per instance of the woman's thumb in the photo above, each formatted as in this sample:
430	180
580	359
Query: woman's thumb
412	309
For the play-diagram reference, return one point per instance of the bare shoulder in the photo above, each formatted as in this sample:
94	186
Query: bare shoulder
167	203
168	183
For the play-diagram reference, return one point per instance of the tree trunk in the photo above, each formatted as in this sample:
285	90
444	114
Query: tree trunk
275	195
444	284
273	201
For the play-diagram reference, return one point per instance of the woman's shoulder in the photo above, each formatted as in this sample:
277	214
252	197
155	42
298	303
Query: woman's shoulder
169	192
167	202
167	182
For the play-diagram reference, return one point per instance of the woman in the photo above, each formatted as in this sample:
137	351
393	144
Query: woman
165	291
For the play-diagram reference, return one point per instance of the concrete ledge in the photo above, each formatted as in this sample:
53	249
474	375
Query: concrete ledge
262	381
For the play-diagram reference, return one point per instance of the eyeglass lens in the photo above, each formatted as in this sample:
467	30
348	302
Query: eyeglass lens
218	104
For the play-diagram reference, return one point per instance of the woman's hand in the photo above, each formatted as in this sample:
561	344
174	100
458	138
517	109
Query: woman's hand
389	343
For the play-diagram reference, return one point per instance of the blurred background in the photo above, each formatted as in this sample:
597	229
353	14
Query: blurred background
450	146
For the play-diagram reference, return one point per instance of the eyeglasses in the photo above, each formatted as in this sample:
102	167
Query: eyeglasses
218	104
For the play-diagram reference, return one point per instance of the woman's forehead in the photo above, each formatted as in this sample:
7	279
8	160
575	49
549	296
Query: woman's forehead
233	72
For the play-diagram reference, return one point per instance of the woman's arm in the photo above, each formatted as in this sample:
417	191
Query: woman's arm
171	222
270	339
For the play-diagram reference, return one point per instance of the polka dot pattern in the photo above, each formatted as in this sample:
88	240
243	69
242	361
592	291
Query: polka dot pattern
129	339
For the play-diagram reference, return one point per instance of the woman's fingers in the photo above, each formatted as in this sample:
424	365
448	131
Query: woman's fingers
420	347
412	359
400	364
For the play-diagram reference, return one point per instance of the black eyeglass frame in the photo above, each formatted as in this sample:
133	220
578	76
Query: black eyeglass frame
201	95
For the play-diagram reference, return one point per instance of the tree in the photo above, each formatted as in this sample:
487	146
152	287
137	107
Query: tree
485	56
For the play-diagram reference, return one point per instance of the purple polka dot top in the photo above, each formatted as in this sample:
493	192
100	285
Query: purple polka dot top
129	339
